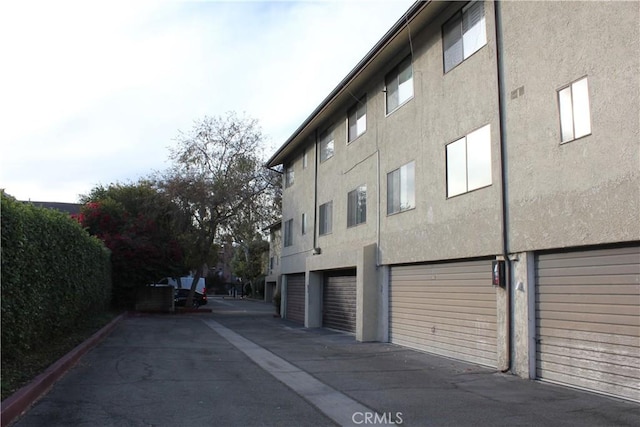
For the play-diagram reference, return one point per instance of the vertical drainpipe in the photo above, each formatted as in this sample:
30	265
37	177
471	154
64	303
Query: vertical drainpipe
315	192
379	207
503	177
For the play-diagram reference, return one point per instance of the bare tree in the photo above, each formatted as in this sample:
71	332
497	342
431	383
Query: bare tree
217	178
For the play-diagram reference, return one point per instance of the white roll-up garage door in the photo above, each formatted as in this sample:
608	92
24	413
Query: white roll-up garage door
588	320
295	298
447	309
339	301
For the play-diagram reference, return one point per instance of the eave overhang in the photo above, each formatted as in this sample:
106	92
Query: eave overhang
397	38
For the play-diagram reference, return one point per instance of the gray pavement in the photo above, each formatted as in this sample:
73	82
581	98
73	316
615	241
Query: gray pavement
240	366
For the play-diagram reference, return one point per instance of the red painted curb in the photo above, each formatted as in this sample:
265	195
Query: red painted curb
14	405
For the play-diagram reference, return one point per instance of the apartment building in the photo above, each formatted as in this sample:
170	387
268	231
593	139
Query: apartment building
472	189
272	269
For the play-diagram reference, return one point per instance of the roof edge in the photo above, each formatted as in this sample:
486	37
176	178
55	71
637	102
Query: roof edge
404	20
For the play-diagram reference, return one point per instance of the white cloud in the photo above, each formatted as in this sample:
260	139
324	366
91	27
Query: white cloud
94	92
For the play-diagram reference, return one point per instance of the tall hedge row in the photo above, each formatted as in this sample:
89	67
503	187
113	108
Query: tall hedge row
53	273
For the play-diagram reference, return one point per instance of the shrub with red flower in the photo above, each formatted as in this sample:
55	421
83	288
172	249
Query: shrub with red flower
141	251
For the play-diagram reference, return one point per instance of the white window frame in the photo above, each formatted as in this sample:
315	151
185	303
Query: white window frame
463	35
327	145
399	86
469	162
357	206
288	233
575	110
288	176
401	188
357	119
325	216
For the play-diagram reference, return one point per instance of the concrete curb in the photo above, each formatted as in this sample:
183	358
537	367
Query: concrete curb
14	405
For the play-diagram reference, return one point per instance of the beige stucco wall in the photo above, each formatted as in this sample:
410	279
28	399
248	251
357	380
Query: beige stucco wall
440	112
578	193
524	314
273	275
446	107
275	252
585	191
353	165
299	199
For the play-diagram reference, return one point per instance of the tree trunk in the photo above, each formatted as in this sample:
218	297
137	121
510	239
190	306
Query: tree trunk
194	285
203	262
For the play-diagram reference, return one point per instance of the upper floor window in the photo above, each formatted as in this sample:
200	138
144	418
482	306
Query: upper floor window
469	162
305	158
288	233
303	224
464	34
357	119
288	176
401	187
399	85
326	220
326	145
357	206
575	117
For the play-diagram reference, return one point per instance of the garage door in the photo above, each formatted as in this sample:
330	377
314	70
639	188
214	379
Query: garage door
588	320
295	298
339	301
447	309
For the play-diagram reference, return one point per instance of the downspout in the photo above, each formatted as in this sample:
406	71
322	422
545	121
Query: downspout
315	193
379	208
502	114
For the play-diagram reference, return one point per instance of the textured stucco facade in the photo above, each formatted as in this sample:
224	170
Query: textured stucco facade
544	195
583	192
273	268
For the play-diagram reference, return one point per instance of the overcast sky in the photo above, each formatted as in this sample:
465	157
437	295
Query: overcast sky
94	92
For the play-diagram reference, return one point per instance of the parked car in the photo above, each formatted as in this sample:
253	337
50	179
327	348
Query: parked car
180	298
182	285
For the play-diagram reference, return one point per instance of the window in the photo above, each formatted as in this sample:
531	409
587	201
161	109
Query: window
326	212
357	206
469	162
357	119
304	224
288	233
464	34
575	117
288	176
401	189
399	85
305	158
326	145
271	263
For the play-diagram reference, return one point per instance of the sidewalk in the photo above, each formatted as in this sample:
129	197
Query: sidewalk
240	366
429	390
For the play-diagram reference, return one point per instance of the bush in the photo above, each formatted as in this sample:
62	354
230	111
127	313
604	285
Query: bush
143	247
53	275
258	287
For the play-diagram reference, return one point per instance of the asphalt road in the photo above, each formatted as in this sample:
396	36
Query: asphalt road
240	366
169	371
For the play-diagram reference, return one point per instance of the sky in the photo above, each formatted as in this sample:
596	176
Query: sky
95	92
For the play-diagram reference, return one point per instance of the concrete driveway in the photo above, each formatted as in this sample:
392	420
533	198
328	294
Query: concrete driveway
240	366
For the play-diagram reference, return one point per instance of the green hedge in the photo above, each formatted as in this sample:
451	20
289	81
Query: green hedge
53	274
